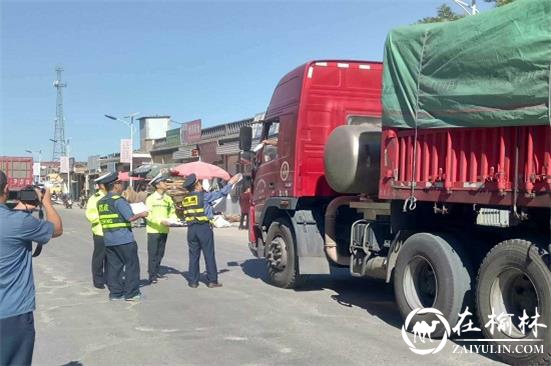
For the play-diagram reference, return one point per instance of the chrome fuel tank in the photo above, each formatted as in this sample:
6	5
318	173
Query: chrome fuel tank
352	159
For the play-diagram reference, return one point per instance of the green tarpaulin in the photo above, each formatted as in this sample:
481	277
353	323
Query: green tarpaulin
491	69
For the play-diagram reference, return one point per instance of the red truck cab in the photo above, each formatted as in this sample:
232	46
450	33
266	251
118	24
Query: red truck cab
306	106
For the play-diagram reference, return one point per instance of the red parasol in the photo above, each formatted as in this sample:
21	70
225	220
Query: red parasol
123	176
201	170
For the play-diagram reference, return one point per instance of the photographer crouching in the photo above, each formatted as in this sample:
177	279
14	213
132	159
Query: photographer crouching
18	229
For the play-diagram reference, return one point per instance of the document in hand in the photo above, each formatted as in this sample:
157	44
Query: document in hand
174	222
138	208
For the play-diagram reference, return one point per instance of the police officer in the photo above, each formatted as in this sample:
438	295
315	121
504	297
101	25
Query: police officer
115	216
161	213
198	211
99	262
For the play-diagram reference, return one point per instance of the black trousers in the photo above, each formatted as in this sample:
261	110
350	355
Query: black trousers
201	238
123	260
99	261
156	244
17	339
244	221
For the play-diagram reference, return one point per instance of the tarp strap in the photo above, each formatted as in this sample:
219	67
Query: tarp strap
411	202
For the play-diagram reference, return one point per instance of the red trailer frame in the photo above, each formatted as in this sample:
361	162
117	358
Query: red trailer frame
19	171
468	165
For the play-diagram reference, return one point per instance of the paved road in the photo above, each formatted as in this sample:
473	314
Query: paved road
331	321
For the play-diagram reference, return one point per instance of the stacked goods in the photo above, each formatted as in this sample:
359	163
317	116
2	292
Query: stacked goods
488	70
466	109
177	192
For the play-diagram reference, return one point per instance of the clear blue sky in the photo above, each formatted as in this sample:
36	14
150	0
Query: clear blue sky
218	61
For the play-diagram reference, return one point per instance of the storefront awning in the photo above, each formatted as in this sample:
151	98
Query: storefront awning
183	153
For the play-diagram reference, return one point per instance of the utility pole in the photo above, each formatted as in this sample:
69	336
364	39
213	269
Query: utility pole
66	143
60	147
131	125
469	9
39	153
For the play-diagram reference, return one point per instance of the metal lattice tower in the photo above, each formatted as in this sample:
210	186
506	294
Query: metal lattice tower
59	131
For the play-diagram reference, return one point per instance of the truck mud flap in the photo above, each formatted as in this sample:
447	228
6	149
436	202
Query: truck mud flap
309	241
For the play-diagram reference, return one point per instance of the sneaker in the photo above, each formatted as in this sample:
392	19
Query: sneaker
162	277
136	298
116	298
153	280
214	284
193	285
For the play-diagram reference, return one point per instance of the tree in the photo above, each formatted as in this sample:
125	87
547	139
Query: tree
499	2
446	14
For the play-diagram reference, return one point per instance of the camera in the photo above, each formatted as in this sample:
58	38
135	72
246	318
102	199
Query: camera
26	195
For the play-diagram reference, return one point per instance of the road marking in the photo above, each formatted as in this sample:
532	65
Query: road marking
233	338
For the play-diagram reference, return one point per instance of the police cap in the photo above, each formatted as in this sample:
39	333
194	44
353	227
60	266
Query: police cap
190	181
107	178
161	177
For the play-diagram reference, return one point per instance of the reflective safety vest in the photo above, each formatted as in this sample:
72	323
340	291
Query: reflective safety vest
161	207
109	217
194	208
92	212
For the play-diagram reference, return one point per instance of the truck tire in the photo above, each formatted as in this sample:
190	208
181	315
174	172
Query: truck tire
281	259
432	272
514	277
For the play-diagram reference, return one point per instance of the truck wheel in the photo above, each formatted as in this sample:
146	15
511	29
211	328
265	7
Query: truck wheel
512	278
431	272
281	259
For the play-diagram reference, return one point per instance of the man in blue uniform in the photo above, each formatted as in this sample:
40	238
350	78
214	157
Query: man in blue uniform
198	214
18	229
115	216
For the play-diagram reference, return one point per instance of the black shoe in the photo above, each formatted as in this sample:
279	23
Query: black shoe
193	285
100	286
214	285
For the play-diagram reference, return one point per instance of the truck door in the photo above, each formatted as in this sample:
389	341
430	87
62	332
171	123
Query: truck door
268	159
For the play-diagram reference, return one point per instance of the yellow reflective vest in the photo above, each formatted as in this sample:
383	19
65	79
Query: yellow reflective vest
109	217
194	208
92	212
161	207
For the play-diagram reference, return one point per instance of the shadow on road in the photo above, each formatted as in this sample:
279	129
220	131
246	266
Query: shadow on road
376	297
165	270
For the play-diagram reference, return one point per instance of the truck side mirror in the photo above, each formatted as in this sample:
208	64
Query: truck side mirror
245	138
246	157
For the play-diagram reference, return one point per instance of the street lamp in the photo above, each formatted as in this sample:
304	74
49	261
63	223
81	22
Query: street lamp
39	153
131	125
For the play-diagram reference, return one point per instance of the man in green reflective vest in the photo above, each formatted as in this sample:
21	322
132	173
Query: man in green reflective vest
161	213
199	213
115	216
99	262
